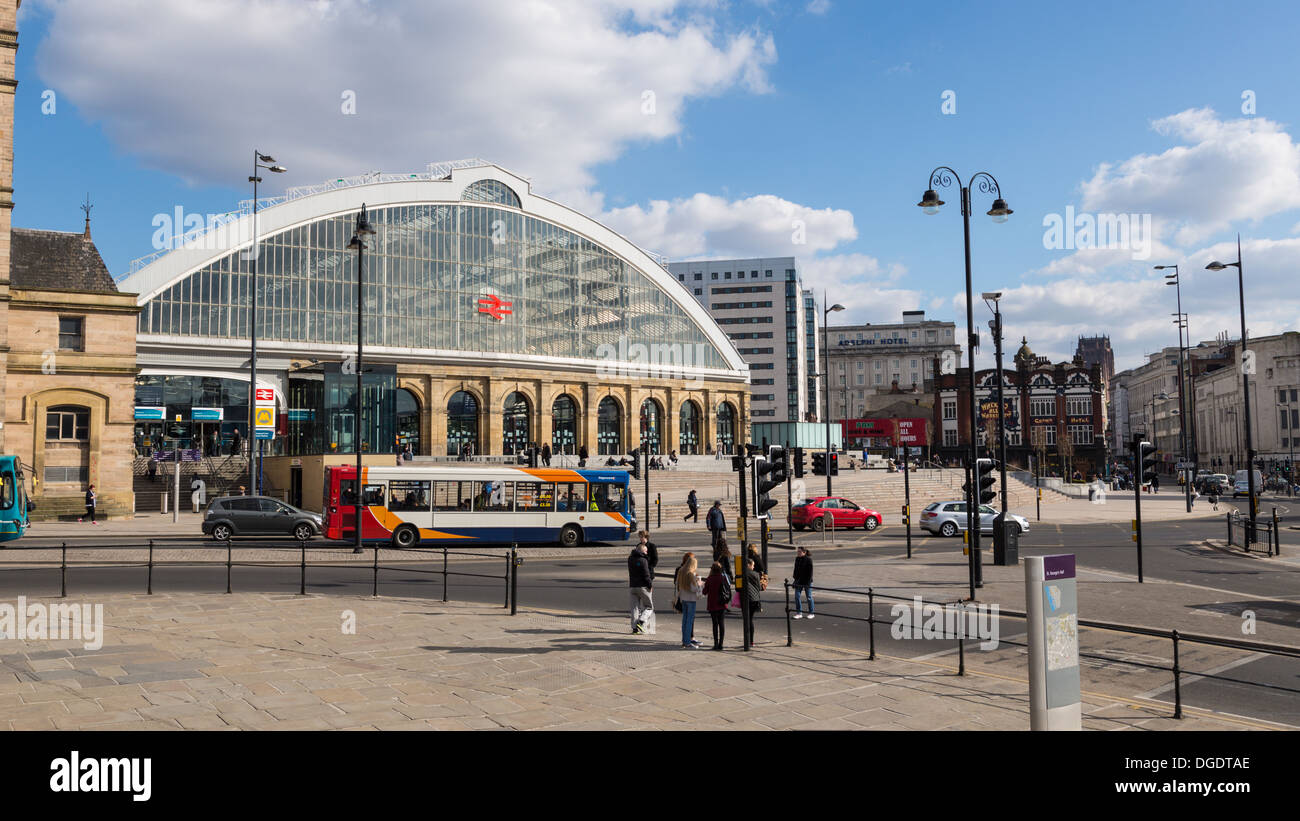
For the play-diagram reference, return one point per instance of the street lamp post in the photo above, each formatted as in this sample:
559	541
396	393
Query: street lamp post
1247	365
1172	279
995	325
363	229
944	177
253	485
826	381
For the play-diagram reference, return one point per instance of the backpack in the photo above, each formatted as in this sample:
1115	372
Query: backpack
724	591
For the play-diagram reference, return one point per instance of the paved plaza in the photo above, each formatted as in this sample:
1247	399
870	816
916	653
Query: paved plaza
258	661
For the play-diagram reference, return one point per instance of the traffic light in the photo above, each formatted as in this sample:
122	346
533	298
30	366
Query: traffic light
819	463
1146	456
780	463
635	456
532	457
834	464
764	482
798	463
988	477
753	450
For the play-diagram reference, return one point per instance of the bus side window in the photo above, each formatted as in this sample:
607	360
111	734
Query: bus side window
374	495
6	490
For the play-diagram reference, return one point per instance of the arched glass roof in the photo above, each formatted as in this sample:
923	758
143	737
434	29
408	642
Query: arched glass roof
490	191
452	277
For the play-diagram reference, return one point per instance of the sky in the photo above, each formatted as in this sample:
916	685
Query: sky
708	129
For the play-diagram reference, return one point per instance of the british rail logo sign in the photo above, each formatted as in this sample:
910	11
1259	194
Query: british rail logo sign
494	307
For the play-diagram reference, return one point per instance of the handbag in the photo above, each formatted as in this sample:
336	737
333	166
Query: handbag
762	581
735	601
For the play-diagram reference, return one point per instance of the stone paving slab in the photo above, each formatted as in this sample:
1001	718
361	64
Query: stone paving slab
464	666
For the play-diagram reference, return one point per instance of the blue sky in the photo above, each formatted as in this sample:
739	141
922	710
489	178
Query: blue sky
766	113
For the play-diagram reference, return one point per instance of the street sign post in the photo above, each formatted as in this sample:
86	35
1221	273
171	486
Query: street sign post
1053	620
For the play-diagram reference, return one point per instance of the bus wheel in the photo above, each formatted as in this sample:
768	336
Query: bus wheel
570	536
406	536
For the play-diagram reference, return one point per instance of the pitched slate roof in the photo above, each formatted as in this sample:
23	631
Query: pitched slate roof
57	260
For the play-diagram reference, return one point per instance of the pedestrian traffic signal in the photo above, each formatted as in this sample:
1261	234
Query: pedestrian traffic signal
798	463
987	472
834	464
1146	454
819	463
635	456
764	482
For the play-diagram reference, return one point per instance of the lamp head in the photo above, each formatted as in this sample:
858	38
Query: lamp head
1216	266
278	169
264	157
1000	212
993	295
835	307
364	228
930	202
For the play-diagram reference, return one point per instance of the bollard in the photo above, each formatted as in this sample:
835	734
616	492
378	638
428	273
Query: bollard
1178	692
961	654
374	590
514	579
149	587
63	573
228	565
1277	536
444	574
871	623
164	502
302	577
789	625
659	511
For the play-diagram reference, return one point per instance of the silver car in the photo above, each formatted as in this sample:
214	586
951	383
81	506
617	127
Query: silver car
949	519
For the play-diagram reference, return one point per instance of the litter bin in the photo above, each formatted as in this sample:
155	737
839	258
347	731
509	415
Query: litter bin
1006	542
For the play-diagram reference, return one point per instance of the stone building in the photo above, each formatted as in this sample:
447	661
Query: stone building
70	381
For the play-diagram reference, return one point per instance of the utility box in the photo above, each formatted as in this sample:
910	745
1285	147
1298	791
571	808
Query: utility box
1006	542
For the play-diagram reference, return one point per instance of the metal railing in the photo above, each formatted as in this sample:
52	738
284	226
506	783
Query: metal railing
1178	638
1239	533
510	557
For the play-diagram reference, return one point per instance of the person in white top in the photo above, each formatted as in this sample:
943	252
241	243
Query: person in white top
687	586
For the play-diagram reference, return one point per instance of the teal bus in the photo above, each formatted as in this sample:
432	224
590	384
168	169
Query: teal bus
14	504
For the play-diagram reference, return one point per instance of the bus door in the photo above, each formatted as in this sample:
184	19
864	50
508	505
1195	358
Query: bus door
453	504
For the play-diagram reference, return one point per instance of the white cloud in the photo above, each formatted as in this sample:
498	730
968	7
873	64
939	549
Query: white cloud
1222	171
549	88
818	6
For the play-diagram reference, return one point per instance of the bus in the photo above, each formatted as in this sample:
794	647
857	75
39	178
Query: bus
408	506
14	504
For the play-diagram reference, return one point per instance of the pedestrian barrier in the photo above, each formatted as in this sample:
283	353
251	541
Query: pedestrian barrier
1178	638
1239	533
429	554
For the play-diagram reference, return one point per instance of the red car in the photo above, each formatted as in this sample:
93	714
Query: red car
845	513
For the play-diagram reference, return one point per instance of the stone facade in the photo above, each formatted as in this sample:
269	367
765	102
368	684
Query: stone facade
8	86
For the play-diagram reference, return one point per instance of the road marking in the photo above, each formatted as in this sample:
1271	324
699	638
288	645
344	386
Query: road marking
1164	688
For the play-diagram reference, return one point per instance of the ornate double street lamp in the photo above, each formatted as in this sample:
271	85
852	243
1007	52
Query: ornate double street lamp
944	177
254	486
1247	367
826	382
364	229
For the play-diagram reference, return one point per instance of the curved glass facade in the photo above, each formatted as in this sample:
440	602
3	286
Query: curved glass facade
445	277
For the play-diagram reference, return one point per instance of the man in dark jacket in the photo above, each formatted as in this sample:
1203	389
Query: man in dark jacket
640	582
582	456
803	575
546	454
693	503
716	522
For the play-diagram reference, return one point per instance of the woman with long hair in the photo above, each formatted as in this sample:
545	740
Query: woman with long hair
688	585
717	590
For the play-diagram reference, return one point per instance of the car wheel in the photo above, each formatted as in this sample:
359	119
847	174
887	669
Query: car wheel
222	533
949	529
406	536
303	531
818	524
570	536
870	524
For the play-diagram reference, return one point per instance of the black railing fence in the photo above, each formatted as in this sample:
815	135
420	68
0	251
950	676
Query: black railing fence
1239	534
1175	636
430	555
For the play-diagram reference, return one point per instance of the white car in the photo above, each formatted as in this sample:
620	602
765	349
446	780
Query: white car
949	518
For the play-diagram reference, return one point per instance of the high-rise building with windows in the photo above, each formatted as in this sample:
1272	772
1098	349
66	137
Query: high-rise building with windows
763	308
882	358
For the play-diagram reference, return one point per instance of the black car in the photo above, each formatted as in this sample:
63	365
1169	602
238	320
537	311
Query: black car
258	516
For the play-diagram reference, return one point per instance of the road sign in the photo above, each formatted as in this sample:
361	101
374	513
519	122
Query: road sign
1185	466
265	395
264	417
264	433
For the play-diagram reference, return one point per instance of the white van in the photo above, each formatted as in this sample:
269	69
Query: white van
1241	483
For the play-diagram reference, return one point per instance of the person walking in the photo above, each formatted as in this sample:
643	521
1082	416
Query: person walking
236	444
717	592
803	576
582	456
692	502
90	505
1155	483
716	522
640	582
753	593
153	469
1213	496
687	587
546	454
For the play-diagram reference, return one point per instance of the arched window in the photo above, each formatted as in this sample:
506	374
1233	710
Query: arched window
462	424
67	423
515	430
609	426
651	419
726	425
564	424
490	191
688	437
408	420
